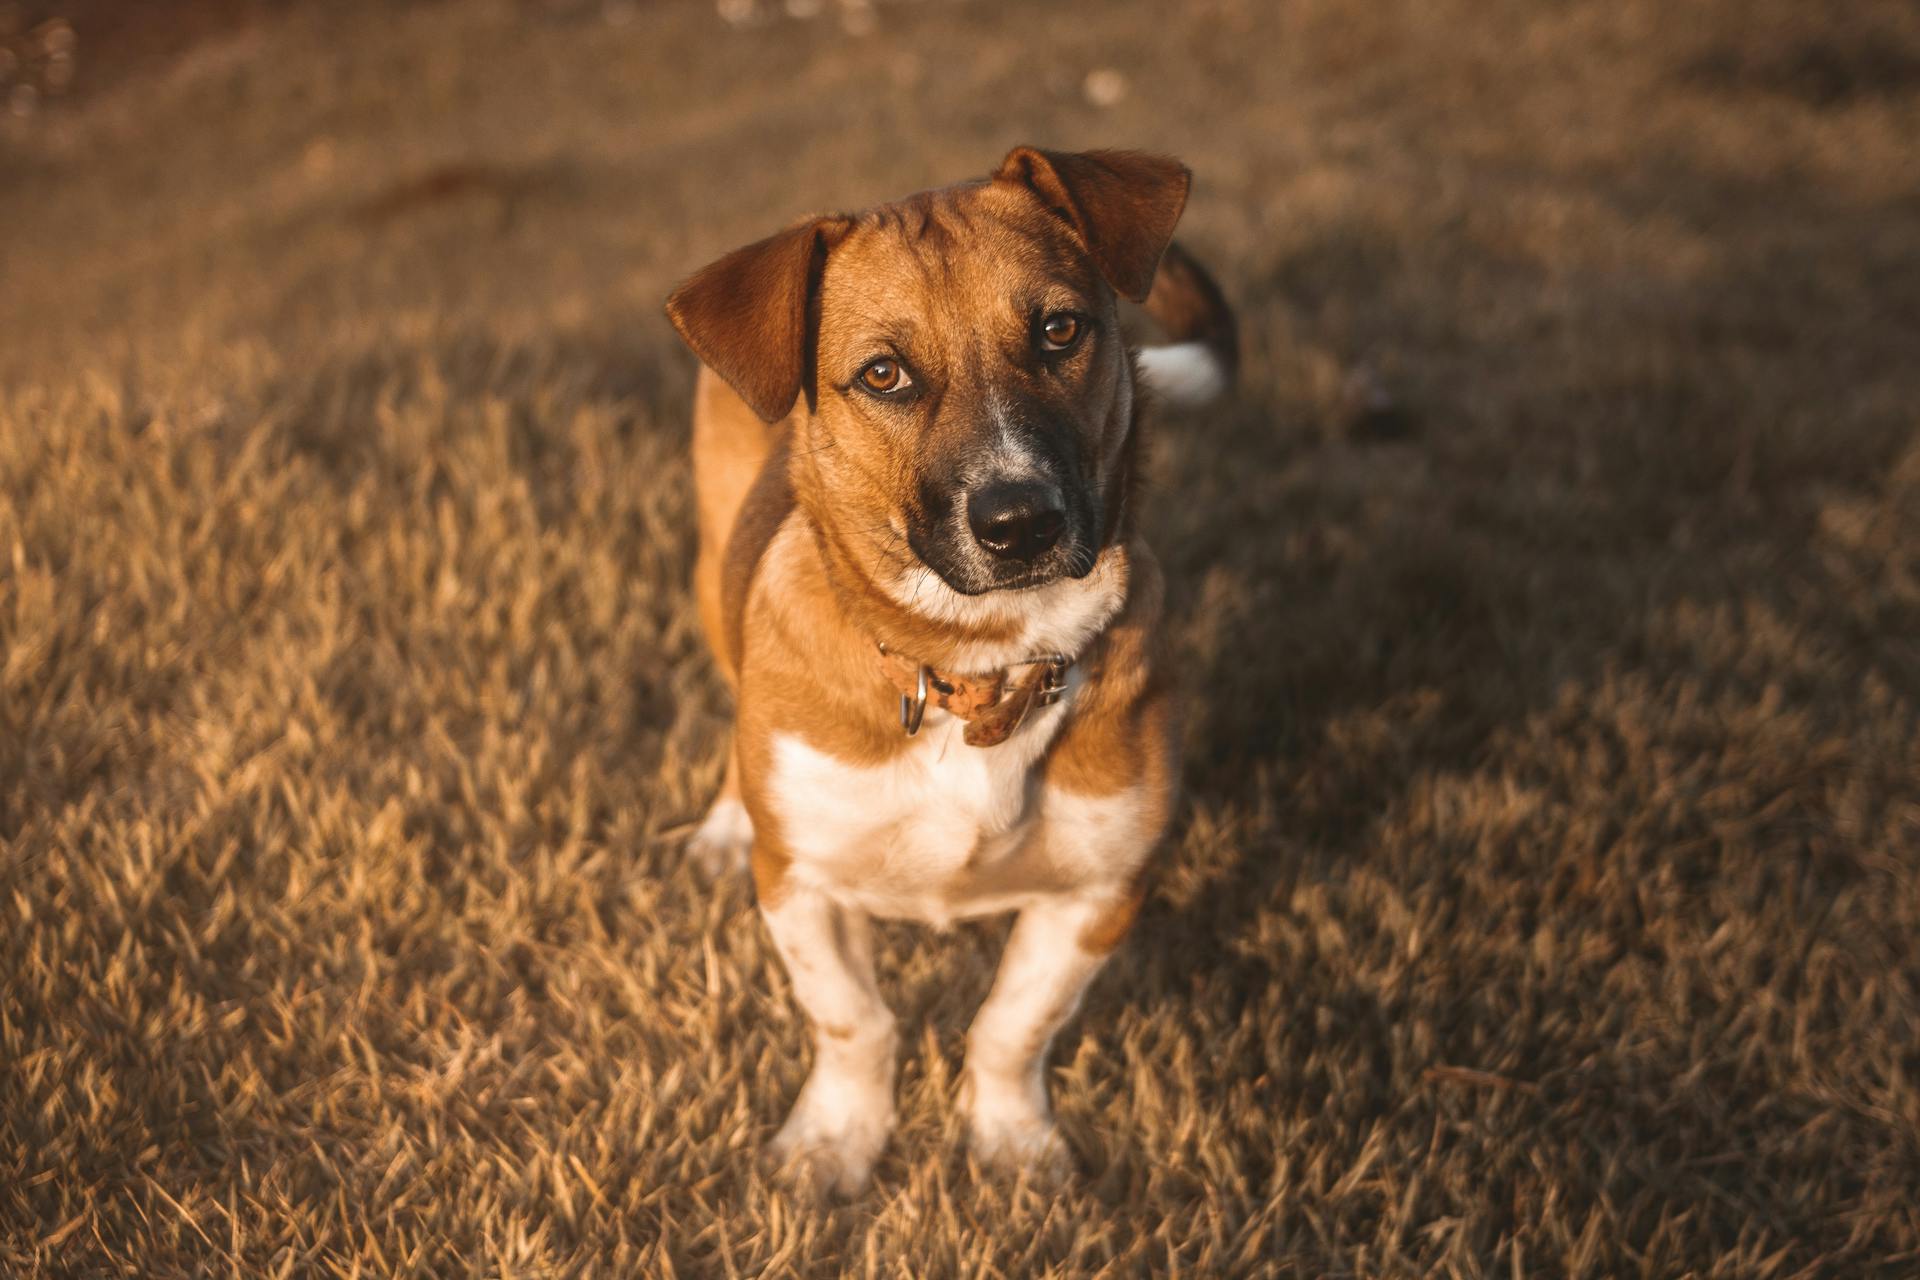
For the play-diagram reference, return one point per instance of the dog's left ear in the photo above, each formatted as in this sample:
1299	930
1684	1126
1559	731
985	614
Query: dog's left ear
1123	204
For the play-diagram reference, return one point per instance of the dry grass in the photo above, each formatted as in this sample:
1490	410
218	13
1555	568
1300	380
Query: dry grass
1548	902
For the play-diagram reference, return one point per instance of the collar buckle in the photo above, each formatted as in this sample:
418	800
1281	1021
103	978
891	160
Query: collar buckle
1053	680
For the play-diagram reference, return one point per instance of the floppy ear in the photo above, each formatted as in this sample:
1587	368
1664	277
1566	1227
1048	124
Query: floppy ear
749	316
1123	204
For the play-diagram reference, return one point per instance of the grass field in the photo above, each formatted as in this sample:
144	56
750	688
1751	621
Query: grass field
1547	899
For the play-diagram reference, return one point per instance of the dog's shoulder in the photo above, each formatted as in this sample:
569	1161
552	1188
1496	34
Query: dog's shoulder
766	507
1123	732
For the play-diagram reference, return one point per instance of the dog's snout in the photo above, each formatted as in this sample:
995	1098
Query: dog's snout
1016	520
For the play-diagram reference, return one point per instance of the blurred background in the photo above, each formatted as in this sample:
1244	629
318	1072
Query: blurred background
1546	898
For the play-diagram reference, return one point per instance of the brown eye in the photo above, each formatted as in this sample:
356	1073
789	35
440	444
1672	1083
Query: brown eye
1060	330
883	376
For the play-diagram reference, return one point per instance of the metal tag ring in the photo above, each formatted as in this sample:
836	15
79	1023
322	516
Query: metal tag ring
914	708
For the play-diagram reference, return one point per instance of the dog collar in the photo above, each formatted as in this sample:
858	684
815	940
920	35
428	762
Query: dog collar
993	703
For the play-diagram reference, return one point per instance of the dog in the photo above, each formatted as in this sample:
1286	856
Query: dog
916	434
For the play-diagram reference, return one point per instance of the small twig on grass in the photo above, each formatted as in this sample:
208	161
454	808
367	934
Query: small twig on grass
1478	1078
669	835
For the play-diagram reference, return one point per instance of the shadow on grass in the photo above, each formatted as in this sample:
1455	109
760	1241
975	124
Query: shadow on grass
1517	772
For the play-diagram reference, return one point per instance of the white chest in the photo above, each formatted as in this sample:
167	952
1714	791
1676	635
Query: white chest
937	832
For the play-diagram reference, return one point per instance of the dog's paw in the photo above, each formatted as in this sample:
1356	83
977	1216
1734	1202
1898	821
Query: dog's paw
1016	1137
831	1141
719	845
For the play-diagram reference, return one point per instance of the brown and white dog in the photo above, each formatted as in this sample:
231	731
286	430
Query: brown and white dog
915	441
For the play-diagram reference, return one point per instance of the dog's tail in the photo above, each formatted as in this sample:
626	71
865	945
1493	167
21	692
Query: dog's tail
1202	355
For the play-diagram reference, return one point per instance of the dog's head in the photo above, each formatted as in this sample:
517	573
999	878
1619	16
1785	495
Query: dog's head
967	386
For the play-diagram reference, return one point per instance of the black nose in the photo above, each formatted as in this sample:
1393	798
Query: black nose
1015	519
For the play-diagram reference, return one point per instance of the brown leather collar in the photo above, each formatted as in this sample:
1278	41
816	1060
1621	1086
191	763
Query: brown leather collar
992	703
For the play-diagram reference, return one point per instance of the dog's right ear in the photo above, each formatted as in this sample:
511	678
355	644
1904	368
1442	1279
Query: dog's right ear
750	318
1122	204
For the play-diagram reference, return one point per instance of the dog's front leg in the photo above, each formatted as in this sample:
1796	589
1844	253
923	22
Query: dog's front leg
1056	947
844	1113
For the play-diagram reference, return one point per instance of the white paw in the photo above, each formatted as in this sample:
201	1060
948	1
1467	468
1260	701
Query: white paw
721	842
1009	1131
833	1137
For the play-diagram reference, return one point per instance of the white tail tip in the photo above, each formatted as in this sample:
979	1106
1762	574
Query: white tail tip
1186	374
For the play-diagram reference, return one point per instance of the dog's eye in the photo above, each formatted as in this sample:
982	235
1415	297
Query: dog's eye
884	376
1060	331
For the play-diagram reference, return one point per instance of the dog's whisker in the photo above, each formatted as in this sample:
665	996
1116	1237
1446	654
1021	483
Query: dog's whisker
886	553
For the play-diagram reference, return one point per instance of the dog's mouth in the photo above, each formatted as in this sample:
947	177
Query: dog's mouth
957	559
971	584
